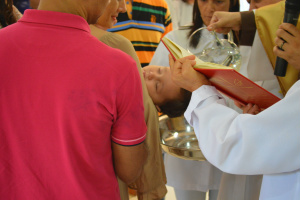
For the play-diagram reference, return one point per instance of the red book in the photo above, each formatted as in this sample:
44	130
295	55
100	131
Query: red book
227	80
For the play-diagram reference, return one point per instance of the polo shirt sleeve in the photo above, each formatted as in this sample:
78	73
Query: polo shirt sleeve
130	127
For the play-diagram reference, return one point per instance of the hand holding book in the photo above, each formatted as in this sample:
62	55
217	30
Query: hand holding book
227	80
184	75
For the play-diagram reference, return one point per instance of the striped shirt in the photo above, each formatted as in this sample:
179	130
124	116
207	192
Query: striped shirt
144	24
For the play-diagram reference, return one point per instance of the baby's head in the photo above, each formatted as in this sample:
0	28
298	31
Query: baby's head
168	98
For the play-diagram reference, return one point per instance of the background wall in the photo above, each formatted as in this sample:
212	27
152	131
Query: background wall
244	5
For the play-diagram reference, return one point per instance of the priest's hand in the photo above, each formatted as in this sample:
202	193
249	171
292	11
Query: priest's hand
184	75
223	22
288	44
249	108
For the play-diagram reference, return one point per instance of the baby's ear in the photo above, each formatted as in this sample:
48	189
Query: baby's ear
158	108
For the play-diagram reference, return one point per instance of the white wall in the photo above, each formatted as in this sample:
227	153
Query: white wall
244	5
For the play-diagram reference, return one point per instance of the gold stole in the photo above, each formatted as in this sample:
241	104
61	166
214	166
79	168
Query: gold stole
267	21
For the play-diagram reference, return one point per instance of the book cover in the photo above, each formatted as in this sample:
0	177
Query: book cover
227	80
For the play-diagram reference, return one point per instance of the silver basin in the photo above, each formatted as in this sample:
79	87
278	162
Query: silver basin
178	138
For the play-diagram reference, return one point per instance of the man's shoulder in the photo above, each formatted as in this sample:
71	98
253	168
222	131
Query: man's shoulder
5	30
102	45
115	40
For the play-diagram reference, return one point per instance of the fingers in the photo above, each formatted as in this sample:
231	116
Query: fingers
282	35
171	60
214	18
255	110
177	65
181	60
223	22
239	105
251	109
280	43
184	75
290	28
280	52
288	44
214	27
187	68
191	57
247	108
218	25
286	33
187	61
174	69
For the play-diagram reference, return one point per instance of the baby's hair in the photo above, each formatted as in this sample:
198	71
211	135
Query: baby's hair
177	107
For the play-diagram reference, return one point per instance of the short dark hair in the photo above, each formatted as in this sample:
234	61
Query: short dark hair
176	107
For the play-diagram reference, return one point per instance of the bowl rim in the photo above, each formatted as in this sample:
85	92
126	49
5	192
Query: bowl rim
179	152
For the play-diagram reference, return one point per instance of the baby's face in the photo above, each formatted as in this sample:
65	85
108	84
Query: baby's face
160	86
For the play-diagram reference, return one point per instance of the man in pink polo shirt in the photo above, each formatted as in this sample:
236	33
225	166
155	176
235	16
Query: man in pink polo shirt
71	110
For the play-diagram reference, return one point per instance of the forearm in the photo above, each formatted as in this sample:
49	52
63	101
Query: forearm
129	161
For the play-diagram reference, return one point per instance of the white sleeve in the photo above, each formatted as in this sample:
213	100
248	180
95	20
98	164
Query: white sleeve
266	143
161	56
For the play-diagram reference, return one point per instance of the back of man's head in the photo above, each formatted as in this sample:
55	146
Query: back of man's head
90	10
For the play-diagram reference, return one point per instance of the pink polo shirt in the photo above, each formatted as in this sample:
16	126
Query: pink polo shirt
64	97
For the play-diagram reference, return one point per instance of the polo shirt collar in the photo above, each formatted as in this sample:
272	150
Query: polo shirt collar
55	18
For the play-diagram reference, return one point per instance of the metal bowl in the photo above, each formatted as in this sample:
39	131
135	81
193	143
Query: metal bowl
178	138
